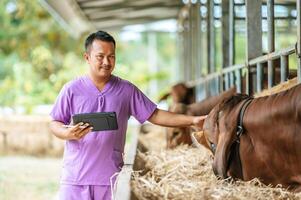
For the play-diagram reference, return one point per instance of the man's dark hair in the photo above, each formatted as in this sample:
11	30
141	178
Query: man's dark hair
99	35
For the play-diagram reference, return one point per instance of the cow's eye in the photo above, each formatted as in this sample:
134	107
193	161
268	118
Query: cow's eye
213	147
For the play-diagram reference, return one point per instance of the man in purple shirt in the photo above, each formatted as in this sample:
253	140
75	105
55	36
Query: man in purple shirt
91	159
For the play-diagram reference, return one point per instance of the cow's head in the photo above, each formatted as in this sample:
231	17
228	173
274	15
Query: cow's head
180	93
178	135
220	132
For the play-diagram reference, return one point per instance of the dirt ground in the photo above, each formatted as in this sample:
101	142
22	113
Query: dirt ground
29	178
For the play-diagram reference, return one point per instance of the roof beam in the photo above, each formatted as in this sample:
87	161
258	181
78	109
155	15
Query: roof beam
138	5
126	13
118	23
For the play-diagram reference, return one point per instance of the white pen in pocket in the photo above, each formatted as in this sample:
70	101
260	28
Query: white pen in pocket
71	126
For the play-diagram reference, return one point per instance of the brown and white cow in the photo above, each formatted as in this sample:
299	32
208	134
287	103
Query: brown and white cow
269	147
176	136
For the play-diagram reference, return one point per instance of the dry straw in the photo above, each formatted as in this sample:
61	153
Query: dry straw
185	173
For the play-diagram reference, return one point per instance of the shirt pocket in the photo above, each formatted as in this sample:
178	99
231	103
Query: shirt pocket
72	152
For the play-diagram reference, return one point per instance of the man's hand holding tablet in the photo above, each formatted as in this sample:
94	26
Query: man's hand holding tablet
77	131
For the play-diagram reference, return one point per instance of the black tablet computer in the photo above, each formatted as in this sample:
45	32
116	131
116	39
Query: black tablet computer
100	121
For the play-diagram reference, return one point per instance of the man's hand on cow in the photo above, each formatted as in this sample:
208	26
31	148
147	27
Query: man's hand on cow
198	121
78	131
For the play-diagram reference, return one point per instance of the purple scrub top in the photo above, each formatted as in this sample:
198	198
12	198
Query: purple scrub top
96	157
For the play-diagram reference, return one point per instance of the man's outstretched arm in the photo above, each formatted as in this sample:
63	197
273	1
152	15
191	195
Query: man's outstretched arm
169	119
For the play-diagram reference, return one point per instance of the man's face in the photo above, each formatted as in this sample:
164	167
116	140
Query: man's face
101	58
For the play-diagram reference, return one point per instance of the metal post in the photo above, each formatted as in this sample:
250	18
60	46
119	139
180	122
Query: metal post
221	83
231	79
271	41
238	81
259	76
210	36
190	45
231	33
299	39
225	33
208	27
254	36
184	42
227	82
198	40
284	68
248	84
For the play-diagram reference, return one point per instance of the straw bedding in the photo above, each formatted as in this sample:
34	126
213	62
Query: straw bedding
186	173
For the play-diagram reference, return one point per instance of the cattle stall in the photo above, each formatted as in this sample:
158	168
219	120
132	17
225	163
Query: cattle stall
208	43
210	33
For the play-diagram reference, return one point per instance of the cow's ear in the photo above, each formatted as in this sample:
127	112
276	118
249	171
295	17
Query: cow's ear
164	97
221	156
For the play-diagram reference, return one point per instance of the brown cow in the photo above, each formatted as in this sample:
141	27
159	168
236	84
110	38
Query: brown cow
180	93
269	147
176	136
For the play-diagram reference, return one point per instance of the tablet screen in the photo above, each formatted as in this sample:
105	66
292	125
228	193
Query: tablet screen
100	121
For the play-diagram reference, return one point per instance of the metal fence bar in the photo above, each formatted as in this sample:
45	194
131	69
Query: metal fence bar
220	85
212	37
208	77
248	85
272	56
254	36
208	37
231	33
283	68
225	33
299	39
259	74
232	68
198	35
271	41
227	81
238	80
232	79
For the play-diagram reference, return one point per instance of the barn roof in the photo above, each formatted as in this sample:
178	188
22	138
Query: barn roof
78	16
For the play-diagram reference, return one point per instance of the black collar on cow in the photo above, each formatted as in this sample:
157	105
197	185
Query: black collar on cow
240	128
234	155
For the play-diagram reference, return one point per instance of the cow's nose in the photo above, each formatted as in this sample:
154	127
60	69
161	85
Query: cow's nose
215	170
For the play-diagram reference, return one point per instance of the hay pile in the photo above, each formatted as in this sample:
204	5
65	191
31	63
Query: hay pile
153	140
186	173
28	135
